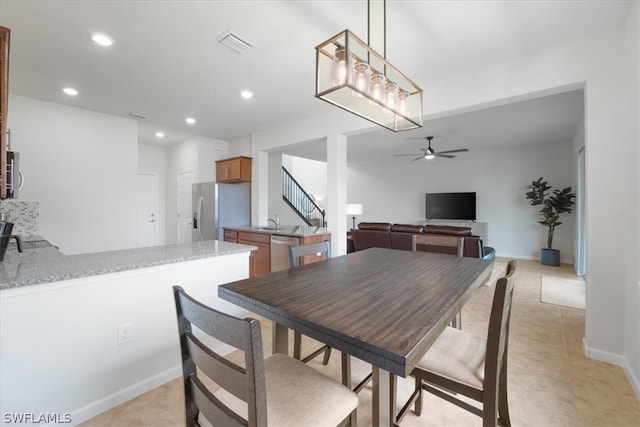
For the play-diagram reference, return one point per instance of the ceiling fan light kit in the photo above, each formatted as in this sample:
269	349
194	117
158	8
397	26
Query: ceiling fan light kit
351	75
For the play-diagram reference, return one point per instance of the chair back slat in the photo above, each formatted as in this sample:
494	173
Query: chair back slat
431	243
298	251
228	375
248	383
222	326
216	412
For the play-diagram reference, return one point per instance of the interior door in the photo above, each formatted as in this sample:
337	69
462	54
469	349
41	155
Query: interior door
147	197
185	221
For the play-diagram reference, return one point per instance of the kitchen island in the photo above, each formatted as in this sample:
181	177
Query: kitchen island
273	244
81	334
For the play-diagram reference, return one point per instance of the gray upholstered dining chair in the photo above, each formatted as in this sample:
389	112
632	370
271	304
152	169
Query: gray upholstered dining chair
436	243
295	253
316	249
274	391
469	365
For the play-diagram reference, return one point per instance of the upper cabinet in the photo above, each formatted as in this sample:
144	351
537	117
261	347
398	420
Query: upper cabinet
235	169
4	103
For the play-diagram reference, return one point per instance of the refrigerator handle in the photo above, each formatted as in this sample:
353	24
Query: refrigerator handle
200	203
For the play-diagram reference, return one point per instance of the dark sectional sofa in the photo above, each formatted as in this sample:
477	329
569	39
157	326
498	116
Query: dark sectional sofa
399	236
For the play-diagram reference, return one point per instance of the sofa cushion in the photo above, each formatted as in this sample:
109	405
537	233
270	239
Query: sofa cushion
402	235
381	226
448	229
407	228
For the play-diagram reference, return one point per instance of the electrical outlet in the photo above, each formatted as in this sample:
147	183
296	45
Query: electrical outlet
125	333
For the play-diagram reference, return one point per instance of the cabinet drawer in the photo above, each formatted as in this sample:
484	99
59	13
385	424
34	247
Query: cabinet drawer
254	237
231	236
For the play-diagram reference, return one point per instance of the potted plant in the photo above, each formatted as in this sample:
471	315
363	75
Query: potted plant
555	203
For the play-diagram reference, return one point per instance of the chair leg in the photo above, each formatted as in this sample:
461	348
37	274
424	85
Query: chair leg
457	321
327	355
297	345
418	407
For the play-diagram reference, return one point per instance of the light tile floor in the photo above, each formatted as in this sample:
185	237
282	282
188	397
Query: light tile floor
551	382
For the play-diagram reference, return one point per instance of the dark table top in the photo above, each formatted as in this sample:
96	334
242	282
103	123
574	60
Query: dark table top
383	306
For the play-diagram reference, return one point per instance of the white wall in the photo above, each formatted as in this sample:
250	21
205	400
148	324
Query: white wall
596	63
152	159
81	167
631	153
395	192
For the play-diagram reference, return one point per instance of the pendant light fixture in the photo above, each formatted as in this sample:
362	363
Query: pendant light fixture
352	75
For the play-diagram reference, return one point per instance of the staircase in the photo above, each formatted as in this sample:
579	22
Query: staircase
301	202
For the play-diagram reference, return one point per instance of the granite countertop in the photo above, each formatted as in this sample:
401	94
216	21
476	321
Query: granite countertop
48	264
284	230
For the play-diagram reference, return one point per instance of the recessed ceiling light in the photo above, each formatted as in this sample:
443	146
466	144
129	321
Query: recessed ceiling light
190	120
160	134
246	94
70	91
101	39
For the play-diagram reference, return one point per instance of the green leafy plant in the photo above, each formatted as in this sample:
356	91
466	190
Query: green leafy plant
555	203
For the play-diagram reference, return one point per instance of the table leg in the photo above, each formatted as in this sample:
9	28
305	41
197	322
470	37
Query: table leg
280	339
384	397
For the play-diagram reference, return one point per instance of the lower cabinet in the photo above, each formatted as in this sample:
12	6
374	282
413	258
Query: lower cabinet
260	261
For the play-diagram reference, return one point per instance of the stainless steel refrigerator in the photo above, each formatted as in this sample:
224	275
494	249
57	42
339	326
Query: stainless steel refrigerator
216	206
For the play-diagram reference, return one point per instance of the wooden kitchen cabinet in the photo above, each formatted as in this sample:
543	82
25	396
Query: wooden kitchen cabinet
231	236
235	169
260	260
4	103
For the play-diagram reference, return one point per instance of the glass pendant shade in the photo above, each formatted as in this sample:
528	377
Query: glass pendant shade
354	77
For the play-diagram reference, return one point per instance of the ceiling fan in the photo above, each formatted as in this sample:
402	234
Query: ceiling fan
430	153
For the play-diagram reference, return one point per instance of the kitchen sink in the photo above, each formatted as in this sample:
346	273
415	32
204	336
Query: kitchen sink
267	228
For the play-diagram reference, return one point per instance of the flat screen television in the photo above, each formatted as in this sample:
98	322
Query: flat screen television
451	206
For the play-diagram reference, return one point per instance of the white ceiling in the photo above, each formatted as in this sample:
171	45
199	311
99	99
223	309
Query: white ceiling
166	63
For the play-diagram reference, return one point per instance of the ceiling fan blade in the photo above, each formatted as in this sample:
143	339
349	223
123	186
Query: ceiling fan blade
402	155
418	158
461	150
444	155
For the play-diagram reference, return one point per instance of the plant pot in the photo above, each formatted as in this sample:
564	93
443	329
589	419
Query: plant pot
550	257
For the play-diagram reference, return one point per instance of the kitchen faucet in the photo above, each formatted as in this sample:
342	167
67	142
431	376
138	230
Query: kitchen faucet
275	221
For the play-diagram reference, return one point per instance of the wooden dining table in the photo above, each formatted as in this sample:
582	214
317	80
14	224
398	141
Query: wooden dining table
383	306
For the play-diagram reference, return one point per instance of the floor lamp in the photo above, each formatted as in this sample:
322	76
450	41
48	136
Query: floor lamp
354	209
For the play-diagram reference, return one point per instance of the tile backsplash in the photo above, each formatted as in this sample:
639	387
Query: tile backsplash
24	215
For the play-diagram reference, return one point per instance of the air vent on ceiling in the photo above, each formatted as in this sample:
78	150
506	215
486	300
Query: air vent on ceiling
234	42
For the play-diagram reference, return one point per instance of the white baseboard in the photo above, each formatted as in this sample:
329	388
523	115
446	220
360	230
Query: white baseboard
614	359
118	398
635	382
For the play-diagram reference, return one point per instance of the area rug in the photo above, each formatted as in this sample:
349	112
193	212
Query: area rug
564	292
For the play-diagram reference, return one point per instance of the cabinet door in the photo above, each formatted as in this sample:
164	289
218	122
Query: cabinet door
228	171
260	260
236	169
4	97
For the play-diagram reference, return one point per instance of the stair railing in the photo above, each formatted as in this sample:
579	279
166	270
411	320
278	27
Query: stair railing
301	202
